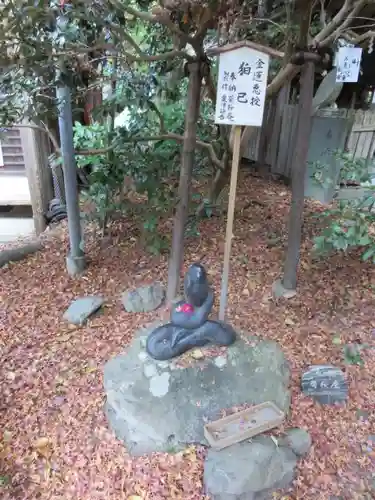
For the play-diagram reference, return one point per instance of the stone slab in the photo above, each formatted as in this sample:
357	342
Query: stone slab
82	308
325	383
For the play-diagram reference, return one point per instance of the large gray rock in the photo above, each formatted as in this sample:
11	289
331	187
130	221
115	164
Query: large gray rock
143	299
82	308
250	470
156	406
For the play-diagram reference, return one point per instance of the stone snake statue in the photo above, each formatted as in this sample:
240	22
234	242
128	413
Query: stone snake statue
189	325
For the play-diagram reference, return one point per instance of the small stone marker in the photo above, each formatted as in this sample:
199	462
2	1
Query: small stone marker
325	383
143	299
82	308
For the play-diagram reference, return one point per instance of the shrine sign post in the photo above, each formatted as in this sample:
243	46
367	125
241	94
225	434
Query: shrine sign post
241	93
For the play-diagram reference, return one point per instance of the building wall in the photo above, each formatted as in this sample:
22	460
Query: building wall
25	175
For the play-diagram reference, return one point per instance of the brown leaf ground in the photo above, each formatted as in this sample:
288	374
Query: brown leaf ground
55	443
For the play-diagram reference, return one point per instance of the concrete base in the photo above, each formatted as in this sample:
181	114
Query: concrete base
14	189
279	291
15	222
75	265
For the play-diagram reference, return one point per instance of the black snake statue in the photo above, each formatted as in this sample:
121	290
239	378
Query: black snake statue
189	325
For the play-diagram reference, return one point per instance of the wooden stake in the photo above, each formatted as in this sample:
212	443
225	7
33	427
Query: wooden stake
230	217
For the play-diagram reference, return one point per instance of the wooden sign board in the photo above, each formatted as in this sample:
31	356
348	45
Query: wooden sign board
348	63
241	89
243	425
241	94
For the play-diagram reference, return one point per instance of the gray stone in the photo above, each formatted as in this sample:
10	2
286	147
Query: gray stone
220	361
169	409
150	370
159	385
163	364
298	440
250	470
143	341
143	299
82	308
325	383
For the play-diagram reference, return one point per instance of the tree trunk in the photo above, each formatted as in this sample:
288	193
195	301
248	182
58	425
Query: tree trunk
266	130
299	167
110	155
219	182
187	163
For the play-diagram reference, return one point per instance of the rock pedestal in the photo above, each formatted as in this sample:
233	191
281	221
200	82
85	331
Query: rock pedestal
157	406
254	469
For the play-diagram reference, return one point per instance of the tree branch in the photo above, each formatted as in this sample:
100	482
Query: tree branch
179	138
161	18
323	16
336	21
345	24
362	38
154	107
141	57
172	54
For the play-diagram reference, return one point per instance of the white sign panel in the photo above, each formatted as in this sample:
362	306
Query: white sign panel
241	88
348	64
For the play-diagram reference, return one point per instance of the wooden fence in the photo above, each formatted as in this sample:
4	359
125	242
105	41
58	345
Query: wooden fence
361	142
274	143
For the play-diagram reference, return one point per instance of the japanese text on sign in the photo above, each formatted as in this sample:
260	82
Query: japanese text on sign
324	385
242	87
348	63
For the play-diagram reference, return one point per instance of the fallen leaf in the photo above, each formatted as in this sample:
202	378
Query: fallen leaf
336	340
43	447
71	415
7	436
41	442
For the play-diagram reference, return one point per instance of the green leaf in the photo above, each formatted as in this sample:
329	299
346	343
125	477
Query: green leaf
370	252
365	240
336	340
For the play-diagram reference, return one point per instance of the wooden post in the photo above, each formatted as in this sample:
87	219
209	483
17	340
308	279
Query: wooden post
302	141
230	217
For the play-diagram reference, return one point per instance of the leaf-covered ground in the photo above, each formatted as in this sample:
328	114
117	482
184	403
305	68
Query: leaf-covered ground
55	443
